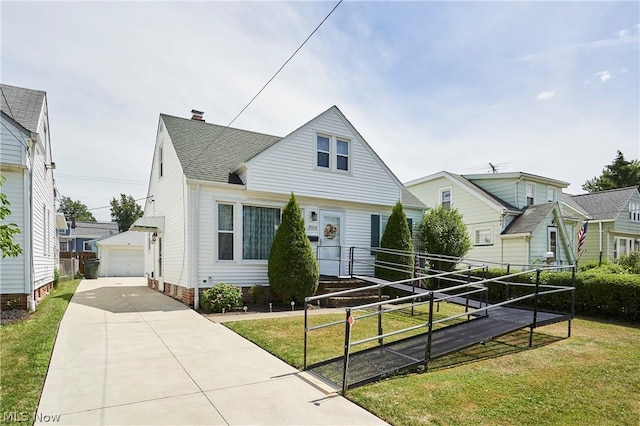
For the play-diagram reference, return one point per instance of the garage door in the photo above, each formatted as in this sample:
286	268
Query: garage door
125	263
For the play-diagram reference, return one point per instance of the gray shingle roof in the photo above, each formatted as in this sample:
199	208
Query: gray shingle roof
410	200
605	205
569	201
22	105
224	148
529	220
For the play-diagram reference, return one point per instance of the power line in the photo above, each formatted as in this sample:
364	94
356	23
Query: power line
263	87
99	179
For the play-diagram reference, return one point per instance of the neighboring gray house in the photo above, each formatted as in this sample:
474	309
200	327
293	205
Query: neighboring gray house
613	222
80	236
27	165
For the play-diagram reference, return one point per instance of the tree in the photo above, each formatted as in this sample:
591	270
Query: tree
75	209
293	269
397	236
619	174
442	231
125	211
7	230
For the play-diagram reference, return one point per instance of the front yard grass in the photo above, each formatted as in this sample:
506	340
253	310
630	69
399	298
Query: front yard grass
25	351
591	378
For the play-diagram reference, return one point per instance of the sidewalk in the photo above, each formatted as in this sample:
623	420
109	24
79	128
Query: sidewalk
128	355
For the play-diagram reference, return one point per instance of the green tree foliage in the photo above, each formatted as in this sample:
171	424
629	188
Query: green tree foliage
619	174
7	230
293	268
397	236
72	208
125	211
442	231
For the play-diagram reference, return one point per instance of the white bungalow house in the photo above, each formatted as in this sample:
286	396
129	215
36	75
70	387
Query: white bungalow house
216	195
26	164
512	218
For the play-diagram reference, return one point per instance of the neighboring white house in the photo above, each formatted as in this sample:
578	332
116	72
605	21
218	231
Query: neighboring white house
121	255
216	194
26	163
512	218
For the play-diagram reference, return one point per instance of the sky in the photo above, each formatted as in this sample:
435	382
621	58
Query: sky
548	88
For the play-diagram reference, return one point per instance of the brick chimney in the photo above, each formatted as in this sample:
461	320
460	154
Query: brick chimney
197	115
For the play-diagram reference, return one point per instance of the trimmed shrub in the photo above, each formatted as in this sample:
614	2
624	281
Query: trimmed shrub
227	296
597	294
630	261
258	295
293	268
397	236
443	232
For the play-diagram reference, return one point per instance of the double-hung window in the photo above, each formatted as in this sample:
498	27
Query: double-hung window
634	212
333	153
324	151
225	232
531	191
551	195
445	198
342	156
259	226
483	237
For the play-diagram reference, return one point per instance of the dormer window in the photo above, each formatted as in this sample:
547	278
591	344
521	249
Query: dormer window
324	151
333	153
531	191
445	198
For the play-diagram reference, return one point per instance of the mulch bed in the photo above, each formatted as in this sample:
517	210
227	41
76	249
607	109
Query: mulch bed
8	316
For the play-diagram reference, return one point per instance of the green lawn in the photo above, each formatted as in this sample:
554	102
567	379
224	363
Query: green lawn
25	350
591	378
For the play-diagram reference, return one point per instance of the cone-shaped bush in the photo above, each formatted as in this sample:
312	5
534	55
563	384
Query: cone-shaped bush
397	236
443	231
293	268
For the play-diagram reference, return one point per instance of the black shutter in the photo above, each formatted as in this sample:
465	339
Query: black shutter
410	223
375	231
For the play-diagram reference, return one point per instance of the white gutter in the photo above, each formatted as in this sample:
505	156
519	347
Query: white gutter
193	251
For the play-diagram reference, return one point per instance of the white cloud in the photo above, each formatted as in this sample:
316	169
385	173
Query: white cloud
623	33
624	70
545	96
603	75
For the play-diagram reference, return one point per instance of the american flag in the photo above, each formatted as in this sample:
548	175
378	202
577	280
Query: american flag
582	234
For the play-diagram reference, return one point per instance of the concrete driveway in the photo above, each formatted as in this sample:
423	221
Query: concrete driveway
128	355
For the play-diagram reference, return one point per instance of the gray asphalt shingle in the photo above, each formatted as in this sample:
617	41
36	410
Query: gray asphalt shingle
22	105
604	205
529	220
211	152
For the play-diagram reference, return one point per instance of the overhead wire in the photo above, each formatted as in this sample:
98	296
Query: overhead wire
263	87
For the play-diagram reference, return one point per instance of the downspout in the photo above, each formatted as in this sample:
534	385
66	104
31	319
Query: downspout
600	241
32	275
194	243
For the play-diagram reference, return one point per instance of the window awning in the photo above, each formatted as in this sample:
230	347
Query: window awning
61	222
148	224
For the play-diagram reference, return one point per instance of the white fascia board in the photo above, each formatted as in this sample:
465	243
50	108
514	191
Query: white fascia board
520	235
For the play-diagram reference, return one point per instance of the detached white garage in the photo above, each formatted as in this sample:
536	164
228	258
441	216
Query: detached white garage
122	255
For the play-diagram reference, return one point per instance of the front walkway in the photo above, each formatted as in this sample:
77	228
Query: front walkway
129	355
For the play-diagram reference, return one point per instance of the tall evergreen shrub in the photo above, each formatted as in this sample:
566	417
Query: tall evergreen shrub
397	236
293	268
442	231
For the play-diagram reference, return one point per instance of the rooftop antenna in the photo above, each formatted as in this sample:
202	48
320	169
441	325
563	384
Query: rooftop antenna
494	169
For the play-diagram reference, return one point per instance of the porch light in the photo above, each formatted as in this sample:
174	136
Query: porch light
314	216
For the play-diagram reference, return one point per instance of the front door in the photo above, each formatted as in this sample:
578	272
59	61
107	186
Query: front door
329	249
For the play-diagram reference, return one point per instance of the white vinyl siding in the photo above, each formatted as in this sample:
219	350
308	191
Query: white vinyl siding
13	273
13	151
291	166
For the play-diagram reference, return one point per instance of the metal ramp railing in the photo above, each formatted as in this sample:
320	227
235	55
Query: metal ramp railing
386	353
